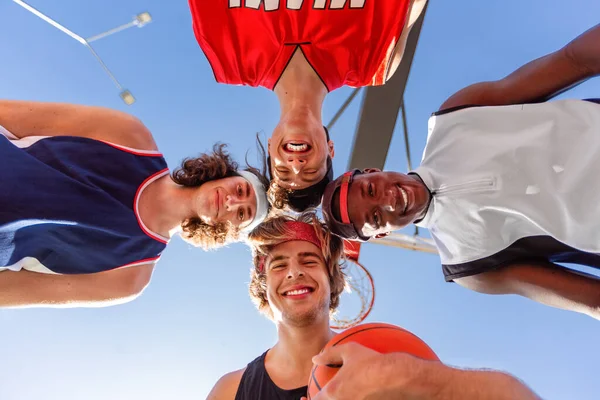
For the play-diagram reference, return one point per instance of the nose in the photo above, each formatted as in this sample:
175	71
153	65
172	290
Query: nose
296	164
232	201
294	270
388	201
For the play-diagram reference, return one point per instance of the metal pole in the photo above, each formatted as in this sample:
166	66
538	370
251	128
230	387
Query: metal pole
50	21
125	94
405	127
112	77
111	31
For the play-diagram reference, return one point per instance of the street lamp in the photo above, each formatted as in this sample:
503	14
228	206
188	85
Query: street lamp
143	18
127	97
139	20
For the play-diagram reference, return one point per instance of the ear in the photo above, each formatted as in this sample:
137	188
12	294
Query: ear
269	145
331	149
371	170
382	235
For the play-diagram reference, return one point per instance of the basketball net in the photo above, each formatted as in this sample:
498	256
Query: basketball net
358	297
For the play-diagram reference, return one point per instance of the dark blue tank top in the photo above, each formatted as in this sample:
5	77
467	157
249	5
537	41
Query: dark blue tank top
257	385
68	203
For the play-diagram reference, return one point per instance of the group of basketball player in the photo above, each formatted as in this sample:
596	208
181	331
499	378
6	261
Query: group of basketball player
505	188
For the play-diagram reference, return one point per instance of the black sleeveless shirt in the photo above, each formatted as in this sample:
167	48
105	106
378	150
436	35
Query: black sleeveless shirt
257	385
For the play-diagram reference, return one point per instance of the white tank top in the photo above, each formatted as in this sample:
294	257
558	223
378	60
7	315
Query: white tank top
499	174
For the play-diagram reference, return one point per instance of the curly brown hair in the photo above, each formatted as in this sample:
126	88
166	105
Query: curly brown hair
278	196
268	235
194	172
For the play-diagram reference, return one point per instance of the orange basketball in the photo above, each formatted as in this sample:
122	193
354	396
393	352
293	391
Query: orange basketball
383	338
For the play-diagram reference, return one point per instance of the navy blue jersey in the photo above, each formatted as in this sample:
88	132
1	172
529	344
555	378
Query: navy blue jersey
68	205
256	384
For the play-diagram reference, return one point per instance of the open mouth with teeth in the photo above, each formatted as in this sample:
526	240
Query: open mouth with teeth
298	292
297	147
404	198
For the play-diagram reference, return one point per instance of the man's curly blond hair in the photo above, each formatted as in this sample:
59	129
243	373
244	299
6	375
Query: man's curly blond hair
268	235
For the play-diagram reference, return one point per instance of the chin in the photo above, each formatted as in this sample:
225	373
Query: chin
304	318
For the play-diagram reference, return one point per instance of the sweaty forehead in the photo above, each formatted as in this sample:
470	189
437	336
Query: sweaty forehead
293	249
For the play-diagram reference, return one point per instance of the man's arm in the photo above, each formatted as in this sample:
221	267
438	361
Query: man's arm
367	374
540	79
226	388
547	283
33	289
436	381
31	118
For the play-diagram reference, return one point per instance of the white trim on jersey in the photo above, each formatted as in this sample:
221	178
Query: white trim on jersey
137	201
28	141
134	151
29	264
34	265
7	133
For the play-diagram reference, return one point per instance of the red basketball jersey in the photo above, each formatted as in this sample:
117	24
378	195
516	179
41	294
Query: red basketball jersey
347	42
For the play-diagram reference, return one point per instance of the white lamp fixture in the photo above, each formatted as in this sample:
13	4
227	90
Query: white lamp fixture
127	97
142	19
139	20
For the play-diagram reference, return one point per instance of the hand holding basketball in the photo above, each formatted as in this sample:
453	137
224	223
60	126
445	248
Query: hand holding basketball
367	362
360	377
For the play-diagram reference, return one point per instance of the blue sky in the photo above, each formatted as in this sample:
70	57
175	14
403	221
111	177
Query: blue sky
195	322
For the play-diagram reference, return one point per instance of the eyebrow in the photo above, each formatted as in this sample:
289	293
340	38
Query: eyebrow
307	254
304	254
277	258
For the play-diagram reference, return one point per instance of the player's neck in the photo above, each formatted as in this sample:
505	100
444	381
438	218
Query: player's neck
300	344
300	87
164	205
289	362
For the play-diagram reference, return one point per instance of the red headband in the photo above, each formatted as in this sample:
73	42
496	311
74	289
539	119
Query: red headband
345	186
298	231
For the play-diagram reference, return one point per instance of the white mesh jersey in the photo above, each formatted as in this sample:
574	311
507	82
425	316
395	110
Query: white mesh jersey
514	182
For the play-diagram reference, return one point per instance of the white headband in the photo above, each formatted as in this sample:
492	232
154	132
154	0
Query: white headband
262	204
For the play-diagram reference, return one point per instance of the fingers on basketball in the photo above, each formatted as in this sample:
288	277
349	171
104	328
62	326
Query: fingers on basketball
383	338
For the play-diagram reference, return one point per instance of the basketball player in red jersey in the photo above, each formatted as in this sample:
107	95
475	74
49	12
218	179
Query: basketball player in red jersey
302	50
296	282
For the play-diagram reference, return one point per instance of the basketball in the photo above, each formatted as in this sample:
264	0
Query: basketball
383	338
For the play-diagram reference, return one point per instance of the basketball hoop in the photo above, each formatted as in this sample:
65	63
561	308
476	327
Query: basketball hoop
358	297
408	242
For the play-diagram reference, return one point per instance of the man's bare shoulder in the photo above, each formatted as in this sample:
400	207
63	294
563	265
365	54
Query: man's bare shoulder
226	387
